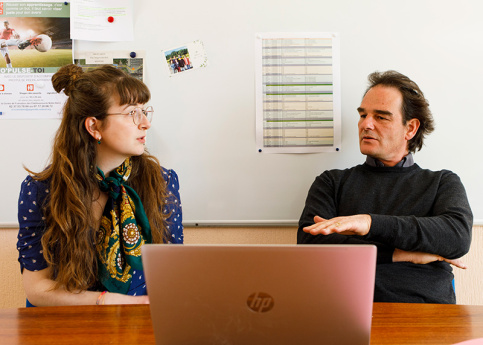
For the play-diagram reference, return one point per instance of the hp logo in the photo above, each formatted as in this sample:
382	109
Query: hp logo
260	302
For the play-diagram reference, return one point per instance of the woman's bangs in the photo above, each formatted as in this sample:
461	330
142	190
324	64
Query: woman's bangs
132	91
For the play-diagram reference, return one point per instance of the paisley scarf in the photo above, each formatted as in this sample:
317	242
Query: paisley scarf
124	229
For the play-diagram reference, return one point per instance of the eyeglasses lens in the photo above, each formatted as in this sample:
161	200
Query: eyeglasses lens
139	113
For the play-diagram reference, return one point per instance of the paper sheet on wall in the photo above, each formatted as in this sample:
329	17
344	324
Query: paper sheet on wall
297	92
34	42
102	20
90	60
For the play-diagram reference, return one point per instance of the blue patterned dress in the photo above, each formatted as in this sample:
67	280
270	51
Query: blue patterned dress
32	225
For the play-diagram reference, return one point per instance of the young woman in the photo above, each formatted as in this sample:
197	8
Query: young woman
84	218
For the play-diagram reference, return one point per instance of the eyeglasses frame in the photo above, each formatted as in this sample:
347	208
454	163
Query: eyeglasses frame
148	112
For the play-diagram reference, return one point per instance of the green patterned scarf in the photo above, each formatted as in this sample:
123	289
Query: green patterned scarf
124	229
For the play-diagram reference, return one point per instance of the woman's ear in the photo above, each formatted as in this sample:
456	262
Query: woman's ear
92	125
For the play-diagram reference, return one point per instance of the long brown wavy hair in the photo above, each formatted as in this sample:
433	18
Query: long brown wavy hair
69	239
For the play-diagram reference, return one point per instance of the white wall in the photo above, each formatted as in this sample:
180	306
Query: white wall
204	124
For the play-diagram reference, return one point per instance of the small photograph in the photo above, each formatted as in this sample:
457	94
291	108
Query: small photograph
35	42
185	57
178	60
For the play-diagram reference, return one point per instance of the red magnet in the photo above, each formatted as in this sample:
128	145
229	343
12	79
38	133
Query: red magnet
110	19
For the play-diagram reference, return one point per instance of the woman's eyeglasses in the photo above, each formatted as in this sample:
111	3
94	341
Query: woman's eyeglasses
138	113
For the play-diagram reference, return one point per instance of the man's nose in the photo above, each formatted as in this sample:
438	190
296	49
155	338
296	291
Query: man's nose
367	122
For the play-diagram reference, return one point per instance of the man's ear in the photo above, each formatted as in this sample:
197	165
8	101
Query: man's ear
412	127
92	125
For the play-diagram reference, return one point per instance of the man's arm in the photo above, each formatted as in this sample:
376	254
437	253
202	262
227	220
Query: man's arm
421	258
321	201
446	233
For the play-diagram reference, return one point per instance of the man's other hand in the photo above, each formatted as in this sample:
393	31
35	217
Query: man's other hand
423	258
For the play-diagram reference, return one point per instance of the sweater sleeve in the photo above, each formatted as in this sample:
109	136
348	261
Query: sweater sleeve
445	232
322	201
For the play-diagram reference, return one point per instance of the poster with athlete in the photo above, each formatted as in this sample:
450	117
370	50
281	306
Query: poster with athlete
34	43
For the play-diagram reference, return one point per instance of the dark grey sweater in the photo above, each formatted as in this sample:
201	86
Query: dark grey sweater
412	209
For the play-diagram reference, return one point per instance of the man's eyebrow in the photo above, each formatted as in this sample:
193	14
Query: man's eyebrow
380	112
383	112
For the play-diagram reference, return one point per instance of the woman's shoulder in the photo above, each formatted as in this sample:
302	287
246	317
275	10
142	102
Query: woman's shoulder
32	188
31	179
171	178
169	173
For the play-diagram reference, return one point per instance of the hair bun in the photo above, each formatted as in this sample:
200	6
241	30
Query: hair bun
65	78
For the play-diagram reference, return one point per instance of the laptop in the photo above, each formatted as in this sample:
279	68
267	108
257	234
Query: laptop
260	294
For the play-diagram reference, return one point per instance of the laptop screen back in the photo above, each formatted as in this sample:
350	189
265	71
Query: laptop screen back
260	294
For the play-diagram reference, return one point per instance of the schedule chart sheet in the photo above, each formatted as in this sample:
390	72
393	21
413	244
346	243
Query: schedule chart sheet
298	98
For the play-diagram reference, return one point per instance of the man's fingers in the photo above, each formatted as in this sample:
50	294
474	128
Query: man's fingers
318	219
457	262
314	227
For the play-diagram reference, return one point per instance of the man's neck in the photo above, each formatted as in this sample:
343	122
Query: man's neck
405	162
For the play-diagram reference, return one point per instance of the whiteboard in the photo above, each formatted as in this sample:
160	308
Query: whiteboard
204	125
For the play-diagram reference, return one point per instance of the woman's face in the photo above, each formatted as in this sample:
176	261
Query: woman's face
120	137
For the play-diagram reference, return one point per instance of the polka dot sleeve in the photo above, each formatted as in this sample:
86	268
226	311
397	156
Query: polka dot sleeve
31	225
173	206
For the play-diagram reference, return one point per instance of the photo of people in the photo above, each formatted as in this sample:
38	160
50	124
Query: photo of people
178	60
132	66
35	42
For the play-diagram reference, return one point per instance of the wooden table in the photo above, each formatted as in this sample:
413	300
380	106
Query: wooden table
393	324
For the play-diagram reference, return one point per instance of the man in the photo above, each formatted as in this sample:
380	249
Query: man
420	220
7	40
181	64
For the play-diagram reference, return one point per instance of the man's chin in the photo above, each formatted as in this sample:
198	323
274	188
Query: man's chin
367	150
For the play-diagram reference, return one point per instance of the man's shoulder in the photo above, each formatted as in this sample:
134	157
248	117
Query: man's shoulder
336	176
343	171
443	173
347	171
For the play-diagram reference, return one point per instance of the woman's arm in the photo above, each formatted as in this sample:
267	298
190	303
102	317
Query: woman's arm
173	207
39	290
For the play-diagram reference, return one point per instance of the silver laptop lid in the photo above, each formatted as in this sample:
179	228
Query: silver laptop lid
259	294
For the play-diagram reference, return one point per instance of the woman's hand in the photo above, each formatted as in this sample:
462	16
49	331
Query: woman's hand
117	298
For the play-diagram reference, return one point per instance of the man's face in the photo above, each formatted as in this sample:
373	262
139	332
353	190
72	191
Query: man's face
5	24
382	134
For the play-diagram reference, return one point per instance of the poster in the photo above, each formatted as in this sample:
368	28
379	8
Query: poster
297	93
34	42
90	60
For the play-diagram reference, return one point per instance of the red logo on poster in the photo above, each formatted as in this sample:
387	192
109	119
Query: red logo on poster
30	87
2	87
1	7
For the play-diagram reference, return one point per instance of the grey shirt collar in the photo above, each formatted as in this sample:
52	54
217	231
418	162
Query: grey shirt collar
406	162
